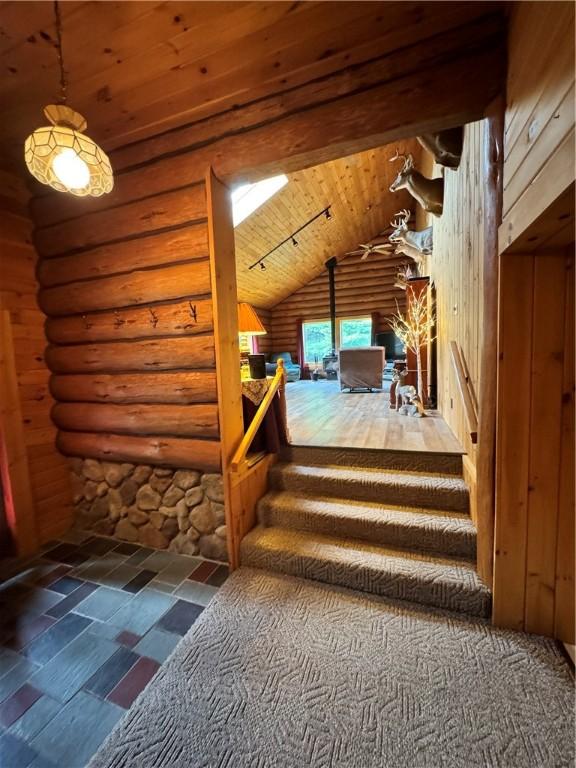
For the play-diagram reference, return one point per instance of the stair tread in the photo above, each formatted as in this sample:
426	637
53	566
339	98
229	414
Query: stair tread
370	475
347	552
373	511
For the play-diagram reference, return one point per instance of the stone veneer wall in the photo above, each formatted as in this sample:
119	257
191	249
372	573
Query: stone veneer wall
181	510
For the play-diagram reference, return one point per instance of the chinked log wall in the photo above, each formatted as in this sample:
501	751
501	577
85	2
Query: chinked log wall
124	278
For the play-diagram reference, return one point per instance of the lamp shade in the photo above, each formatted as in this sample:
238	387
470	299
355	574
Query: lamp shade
63	157
248	320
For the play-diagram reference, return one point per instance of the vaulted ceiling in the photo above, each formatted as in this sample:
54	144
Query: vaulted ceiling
356	188
136	69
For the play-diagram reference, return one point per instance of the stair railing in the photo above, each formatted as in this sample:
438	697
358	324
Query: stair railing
466	391
277	385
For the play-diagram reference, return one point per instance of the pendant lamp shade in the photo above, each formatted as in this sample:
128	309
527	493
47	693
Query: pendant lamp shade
64	158
248	320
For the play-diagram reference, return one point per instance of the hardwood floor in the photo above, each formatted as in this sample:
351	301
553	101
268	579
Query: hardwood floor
319	414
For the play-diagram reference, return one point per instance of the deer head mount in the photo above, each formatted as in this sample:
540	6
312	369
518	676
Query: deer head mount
415	245
428	192
445	146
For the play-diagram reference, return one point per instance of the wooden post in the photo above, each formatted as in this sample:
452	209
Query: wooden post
16	487
486	456
282	395
227	350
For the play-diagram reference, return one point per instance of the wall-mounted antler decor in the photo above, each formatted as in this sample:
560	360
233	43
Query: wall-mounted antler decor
445	146
414	244
428	192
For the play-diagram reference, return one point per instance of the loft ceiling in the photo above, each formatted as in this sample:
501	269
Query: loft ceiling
140	68
362	206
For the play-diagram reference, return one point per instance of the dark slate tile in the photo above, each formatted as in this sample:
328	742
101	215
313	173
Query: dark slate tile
16	677
70	602
36	718
69	554
15	705
139	581
139	556
77	730
65	585
8	660
134	682
50	578
126	548
25	629
67	672
15	753
219	576
59	635
180	617
129	639
98	546
204	570
111	672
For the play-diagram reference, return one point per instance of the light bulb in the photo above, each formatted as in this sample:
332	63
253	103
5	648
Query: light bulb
71	170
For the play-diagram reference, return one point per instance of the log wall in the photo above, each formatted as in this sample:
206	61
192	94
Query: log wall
127	292
46	469
362	288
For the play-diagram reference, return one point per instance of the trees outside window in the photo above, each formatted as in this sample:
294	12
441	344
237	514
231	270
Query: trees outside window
350	332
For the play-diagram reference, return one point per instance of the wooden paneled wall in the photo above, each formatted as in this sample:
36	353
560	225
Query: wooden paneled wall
539	124
534	555
128	295
362	288
456	269
46	469
534	537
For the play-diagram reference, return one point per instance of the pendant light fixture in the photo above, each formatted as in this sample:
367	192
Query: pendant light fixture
60	154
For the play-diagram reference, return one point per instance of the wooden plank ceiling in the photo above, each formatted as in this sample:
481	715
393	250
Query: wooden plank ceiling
357	188
136	69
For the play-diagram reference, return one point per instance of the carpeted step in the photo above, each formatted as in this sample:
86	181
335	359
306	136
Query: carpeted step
428	580
446	533
384	487
372	458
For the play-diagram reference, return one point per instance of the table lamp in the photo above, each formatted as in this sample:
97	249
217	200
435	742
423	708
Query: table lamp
248	325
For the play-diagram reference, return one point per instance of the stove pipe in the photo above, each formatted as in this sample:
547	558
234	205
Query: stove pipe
330	265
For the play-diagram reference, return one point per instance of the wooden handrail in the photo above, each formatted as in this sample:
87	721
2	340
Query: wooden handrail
466	391
239	458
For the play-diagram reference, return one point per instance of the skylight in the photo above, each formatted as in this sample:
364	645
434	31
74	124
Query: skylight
249	197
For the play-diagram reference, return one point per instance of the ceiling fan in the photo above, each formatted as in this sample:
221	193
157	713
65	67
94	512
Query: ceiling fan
365	249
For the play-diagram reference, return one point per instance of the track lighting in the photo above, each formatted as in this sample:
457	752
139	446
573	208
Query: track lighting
326	212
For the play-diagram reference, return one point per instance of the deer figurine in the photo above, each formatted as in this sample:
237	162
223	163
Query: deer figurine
428	192
404	392
407	399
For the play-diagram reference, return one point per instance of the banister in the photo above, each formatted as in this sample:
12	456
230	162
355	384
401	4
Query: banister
466	392
239	458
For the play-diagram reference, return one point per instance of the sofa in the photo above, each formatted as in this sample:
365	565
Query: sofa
361	368
292	369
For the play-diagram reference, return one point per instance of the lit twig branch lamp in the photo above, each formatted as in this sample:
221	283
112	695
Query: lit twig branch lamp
60	155
248	325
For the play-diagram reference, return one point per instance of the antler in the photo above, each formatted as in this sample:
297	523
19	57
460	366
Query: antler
403	219
408	160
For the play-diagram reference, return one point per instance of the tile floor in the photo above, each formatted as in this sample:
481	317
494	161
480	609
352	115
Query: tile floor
83	629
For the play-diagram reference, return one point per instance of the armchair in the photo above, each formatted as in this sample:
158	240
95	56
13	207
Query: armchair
292	369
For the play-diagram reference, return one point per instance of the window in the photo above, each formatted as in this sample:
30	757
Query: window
355	332
249	197
350	332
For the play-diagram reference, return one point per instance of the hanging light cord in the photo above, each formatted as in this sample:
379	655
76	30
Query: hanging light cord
63	82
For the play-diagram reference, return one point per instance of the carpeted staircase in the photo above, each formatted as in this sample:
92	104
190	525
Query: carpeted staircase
388	522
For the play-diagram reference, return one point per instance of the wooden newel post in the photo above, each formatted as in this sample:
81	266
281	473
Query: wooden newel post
280	369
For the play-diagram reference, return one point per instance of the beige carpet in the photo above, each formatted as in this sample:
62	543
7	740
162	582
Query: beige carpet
282	673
